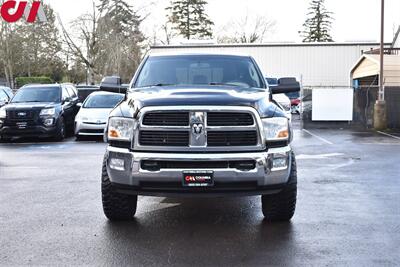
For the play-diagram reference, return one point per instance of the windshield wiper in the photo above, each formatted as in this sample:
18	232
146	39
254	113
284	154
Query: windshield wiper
229	84
161	84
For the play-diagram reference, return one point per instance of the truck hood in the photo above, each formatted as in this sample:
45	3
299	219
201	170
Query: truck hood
201	96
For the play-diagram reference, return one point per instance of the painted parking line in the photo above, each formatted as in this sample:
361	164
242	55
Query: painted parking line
318	137
389	135
59	143
22	167
382	144
26	153
320	156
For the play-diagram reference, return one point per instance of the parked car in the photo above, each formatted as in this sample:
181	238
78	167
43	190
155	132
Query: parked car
6	95
85	90
305	107
294	98
8	91
93	116
271	81
284	103
281	99
199	125
40	111
295	101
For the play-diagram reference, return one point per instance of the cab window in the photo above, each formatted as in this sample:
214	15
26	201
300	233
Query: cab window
71	91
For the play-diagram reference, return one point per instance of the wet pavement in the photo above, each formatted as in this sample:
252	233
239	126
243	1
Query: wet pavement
348	211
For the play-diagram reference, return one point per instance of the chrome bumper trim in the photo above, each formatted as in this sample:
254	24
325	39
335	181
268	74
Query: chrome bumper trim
263	174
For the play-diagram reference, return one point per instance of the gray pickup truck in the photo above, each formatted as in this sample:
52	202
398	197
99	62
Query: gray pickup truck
199	125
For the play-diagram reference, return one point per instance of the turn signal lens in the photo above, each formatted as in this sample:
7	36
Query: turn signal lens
113	133
283	134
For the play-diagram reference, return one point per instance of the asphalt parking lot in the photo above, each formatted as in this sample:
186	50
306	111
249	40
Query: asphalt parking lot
348	211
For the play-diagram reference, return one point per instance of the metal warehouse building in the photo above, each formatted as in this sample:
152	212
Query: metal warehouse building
315	64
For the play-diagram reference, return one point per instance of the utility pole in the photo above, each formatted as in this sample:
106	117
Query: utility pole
380	112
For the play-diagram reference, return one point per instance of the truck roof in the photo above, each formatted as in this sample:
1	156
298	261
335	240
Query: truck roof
176	53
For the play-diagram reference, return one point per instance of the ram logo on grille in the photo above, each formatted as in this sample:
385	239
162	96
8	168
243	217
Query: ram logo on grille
199	138
197	128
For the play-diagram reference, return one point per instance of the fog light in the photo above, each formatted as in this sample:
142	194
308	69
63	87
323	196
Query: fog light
48	122
279	162
117	164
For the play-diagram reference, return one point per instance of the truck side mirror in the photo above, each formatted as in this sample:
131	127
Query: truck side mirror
285	85
112	84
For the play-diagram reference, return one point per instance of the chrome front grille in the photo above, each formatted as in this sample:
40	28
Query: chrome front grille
199	129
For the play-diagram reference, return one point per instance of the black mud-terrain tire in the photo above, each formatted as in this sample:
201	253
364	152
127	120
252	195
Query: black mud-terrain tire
282	206
116	206
61	130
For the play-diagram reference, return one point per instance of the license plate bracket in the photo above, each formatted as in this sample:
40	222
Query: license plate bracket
22	125
198	178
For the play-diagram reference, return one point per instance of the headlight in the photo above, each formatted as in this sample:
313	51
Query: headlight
80	118
48	112
276	129
120	129
3	113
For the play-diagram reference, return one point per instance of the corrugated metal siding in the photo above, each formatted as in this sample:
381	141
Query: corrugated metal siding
319	65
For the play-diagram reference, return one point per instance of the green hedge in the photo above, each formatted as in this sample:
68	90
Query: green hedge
21	81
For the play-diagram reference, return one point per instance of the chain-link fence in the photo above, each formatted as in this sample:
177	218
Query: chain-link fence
364	101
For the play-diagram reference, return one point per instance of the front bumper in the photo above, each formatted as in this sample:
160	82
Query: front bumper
263	179
89	129
30	131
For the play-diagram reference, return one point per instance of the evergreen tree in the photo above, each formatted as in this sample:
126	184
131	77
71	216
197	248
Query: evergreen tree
189	18
121	17
318	25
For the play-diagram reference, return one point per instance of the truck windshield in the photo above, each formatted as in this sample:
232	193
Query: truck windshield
199	70
38	94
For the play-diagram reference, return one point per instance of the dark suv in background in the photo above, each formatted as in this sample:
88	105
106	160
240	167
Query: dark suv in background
40	111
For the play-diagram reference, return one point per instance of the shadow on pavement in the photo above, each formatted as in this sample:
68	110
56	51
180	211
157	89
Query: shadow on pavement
232	230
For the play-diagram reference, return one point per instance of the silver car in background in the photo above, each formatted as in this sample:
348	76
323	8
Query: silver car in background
92	118
281	99
285	104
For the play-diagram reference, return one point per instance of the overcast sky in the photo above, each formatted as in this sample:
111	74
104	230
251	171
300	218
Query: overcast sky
355	20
